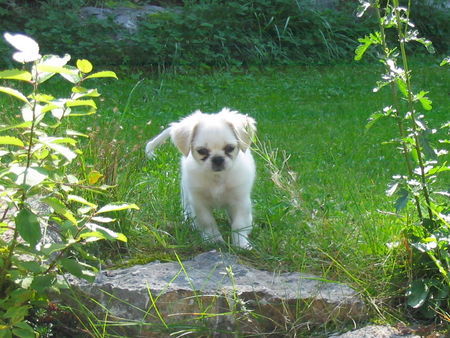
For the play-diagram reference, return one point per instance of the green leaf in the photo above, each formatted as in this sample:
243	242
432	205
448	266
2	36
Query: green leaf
23	330
72	266
60	208
15	74
54	144
48	68
102	74
90	112
81	200
101	219
27	225
105	233
78	103
92	236
30	266
72	75
43	98
30	113
402	200
117	207
445	62
34	176
366	42
20	296
12	141
417	293
414	155
5	331
425	101
75	133
48	249
17	313
402	86
94	176
59	140
43	282
374	117
413	35
83	92
15	93
23	125
84	66
437	170
21	333
78	269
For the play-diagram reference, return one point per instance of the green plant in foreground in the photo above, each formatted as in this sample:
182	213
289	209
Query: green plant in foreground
38	192
427	234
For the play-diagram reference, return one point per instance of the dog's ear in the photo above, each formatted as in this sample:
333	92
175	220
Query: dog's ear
243	126
183	132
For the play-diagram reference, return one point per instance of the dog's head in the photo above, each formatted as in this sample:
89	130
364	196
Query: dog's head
214	140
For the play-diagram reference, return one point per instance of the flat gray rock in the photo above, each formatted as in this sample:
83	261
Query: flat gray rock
216	293
375	331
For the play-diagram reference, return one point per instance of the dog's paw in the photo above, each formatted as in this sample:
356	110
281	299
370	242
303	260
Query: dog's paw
245	245
241	241
213	237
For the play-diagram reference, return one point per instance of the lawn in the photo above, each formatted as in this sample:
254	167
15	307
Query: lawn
319	201
319	198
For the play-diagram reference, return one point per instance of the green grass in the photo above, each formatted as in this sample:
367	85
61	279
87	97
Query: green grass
316	115
329	217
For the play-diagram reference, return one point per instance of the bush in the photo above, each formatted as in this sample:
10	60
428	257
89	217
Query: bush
39	193
213	33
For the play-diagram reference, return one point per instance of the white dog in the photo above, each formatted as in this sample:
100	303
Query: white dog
217	169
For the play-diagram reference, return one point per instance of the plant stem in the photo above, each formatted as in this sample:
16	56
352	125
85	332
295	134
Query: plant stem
401	38
398	118
12	247
4	214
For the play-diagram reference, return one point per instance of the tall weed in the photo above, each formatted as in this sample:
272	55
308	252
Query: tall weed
419	191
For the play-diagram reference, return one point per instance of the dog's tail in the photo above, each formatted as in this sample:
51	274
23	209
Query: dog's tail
156	141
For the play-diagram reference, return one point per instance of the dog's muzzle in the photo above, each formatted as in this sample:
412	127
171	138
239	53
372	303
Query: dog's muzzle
218	163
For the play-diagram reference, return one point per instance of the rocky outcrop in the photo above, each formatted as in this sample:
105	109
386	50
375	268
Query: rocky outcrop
124	17
217	295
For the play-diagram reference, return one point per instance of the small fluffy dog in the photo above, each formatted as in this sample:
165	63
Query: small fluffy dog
217	169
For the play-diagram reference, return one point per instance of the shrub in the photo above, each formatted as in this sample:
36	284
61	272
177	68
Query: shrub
210	33
39	194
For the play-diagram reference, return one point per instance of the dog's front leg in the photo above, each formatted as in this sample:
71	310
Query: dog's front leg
205	222
241	226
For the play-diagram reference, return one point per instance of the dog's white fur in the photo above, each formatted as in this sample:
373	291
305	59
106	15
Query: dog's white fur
217	169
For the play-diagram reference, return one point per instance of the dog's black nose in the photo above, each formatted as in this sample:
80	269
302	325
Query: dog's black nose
218	163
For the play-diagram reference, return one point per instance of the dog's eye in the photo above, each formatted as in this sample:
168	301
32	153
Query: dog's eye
203	151
229	148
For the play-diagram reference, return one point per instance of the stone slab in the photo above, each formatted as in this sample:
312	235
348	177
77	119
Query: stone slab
213	291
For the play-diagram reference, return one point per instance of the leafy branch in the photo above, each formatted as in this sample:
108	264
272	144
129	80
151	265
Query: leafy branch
35	155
